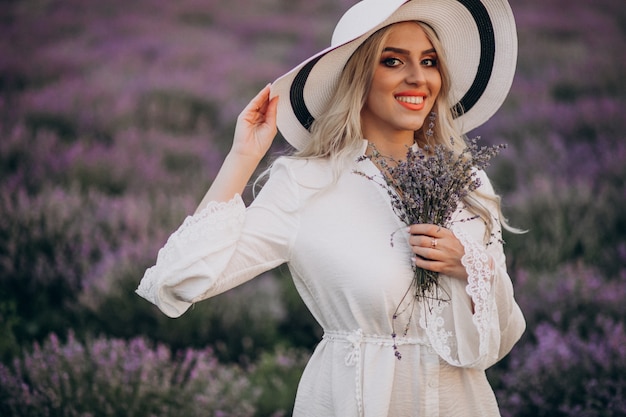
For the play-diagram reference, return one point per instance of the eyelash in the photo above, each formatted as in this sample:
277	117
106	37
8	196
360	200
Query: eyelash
432	62
390	61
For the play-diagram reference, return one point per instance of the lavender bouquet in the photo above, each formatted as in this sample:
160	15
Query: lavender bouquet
428	187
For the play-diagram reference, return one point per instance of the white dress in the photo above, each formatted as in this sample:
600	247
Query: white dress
336	241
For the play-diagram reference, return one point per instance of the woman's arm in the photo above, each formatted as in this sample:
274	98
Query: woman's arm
218	247
254	133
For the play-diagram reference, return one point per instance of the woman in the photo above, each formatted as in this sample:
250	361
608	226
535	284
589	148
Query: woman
398	74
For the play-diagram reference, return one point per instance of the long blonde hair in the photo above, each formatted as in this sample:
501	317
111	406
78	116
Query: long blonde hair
336	134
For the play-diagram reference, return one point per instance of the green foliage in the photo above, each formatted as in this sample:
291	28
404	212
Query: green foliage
239	324
54	245
176	112
61	124
569	223
9	321
278	374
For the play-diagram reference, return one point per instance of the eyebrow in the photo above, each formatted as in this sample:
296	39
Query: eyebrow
406	52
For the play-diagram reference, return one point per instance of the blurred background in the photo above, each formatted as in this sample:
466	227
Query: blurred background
114	118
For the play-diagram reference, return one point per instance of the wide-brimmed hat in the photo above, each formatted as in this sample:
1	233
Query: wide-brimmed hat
479	40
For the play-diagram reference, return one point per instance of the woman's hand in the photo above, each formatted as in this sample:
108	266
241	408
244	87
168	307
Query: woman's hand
256	127
437	249
254	133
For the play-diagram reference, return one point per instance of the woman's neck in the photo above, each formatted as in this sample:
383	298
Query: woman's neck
392	147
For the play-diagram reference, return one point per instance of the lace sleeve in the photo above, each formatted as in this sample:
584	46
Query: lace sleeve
480	273
464	331
215	219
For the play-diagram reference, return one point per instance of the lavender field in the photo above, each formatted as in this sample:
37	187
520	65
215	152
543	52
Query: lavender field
114	118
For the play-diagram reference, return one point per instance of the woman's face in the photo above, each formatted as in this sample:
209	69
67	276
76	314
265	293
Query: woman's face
405	84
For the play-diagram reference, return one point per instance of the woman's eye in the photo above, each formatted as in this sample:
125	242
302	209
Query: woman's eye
429	62
392	62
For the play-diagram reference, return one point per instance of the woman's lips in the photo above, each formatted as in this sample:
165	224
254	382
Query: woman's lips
411	102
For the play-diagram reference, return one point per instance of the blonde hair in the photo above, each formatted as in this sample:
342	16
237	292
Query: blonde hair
336	134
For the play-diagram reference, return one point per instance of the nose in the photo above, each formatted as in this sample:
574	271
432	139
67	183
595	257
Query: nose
415	75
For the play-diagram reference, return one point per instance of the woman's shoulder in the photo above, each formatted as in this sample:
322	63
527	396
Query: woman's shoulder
302	164
306	171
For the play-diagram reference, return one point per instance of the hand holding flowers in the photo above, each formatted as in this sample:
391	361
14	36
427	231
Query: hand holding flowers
437	249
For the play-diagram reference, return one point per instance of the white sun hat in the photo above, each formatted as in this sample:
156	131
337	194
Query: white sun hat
480	43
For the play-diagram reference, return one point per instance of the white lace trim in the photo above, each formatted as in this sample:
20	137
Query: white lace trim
433	323
479	270
478	265
215	216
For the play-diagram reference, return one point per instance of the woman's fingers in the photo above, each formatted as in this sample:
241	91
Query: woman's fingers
256	125
260	101
429	240
424	247
437	249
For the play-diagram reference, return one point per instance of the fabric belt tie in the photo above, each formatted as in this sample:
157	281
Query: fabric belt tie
355	340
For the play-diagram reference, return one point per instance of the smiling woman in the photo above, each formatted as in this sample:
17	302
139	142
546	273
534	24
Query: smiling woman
403	90
392	66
